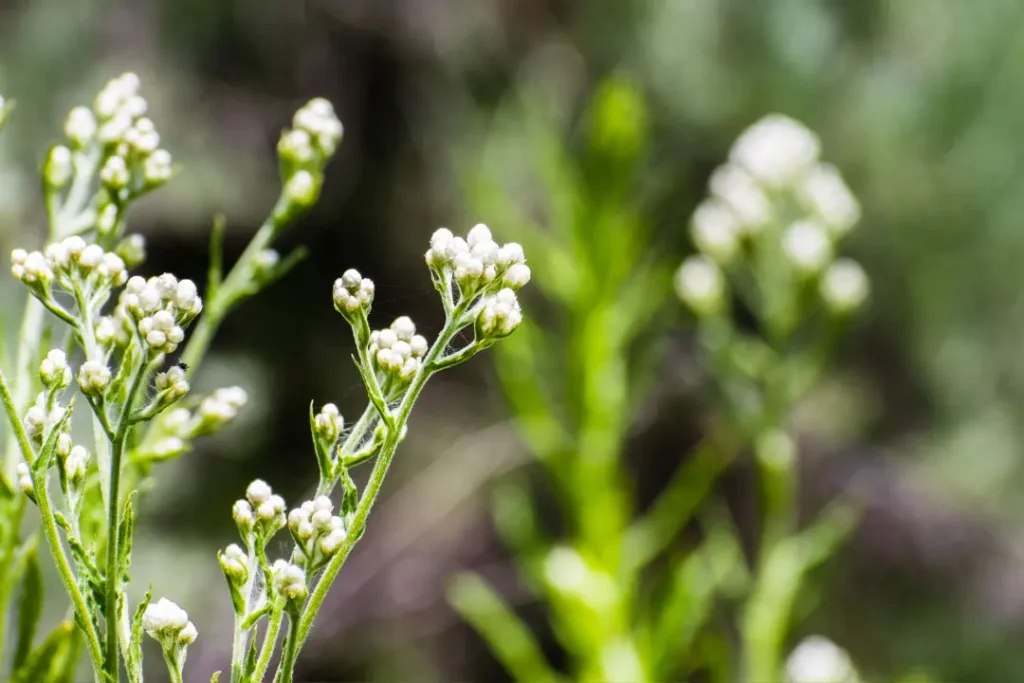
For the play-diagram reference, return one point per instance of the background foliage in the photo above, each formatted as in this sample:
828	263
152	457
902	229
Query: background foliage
918	103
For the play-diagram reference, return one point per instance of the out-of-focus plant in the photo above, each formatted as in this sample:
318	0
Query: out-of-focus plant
629	598
141	416
768	236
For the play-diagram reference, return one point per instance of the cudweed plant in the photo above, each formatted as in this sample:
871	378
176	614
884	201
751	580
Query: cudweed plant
768	237
122	330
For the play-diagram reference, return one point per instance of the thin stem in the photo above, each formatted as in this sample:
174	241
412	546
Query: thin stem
113	519
53	535
241	639
380	469
172	668
269	643
289	653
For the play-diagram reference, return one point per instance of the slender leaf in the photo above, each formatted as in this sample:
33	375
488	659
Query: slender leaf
30	607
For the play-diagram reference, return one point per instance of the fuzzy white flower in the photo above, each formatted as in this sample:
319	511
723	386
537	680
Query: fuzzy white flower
352	291
500	315
807	246
114	173
701	285
158	166
776	149
258	492
289	580
59	168
168	623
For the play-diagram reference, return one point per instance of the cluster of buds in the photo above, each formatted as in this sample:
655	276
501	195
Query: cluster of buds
289	581
134	161
353	293
41	417
162	307
329	424
306	148
317	532
235	565
774	187
168	624
93	378
54	371
261	510
217	410
397	351
66	261
171	386
180	425
76	464
477	261
499	316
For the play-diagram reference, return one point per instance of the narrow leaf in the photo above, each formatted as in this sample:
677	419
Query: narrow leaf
39	664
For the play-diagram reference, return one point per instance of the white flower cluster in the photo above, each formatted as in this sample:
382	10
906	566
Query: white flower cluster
328	423
352	292
219	408
306	148
261	509
477	261
61	260
818	660
54	370
161	307
317	532
774	178
289	580
398	351
118	122
499	316
181	424
24	479
168	624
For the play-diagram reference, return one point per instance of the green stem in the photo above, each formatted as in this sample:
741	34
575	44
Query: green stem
53	535
289	653
172	668
29	335
269	643
113	519
380	470
241	639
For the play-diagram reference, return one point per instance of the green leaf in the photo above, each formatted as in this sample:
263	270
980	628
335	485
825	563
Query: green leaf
124	538
507	636
323	453
215	678
30	607
42	463
134	662
255	616
72	654
349	497
40	664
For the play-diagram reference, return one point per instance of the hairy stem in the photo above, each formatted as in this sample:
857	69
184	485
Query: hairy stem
53	535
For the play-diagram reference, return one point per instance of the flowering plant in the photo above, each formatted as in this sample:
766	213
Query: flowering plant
126	329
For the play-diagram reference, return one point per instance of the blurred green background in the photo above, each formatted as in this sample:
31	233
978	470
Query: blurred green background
920	104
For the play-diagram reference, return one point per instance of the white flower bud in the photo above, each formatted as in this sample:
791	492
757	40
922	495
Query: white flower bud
54	370
332	541
168	447
478	233
743	196
500	315
807	246
403	328
818	660
235	563
158	167
776	149
715	231
844	286
114	173
302	188
168	624
700	284
24	478
80	126
511	253
296	146
329	423
59	167
93	377
289	580
419	346
352	292
76	465
517	276
242	513
91	257
825	193
258	492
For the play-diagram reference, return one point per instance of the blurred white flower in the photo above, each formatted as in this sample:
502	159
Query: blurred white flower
776	149
818	660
